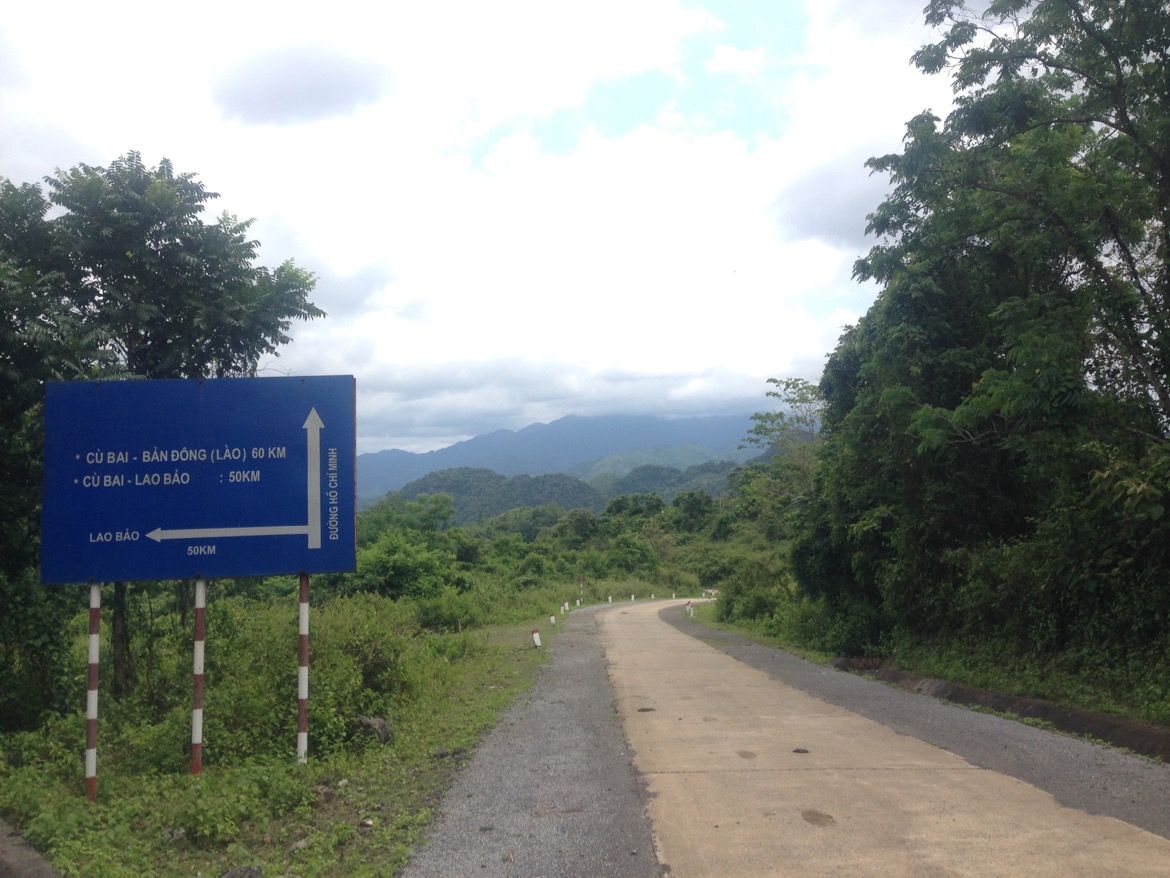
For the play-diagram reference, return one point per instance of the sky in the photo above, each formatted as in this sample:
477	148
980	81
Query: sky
516	210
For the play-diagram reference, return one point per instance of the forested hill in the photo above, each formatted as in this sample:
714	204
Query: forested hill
480	494
585	446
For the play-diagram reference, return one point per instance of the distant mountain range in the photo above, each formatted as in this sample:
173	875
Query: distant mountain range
585	447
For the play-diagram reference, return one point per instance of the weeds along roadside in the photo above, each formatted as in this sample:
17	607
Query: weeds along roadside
356	808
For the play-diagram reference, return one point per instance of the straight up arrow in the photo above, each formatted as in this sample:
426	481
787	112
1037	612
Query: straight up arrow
313	425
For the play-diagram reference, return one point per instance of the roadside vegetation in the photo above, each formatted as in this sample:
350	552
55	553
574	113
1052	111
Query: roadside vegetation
413	656
428	640
989	489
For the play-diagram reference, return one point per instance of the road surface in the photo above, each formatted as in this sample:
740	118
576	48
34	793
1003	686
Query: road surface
652	747
748	775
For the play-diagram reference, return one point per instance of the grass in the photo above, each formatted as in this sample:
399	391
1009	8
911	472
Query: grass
1135	689
352	814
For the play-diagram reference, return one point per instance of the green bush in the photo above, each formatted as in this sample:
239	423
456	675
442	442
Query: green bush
853	629
683	582
214	808
450	610
629	554
159	746
53	748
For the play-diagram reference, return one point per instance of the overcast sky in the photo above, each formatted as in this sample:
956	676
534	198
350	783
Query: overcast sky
516	211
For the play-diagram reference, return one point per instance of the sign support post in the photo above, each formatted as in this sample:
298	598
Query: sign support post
303	675
91	700
197	696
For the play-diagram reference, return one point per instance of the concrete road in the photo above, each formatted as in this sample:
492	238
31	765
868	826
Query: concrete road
749	776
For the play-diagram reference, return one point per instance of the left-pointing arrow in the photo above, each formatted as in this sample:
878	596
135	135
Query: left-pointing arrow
198	533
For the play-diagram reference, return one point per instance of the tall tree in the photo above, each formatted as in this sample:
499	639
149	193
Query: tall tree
770	489
126	279
1017	361
178	297
791	432
1061	138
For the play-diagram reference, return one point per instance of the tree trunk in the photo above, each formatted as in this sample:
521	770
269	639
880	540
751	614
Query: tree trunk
123	683
184	600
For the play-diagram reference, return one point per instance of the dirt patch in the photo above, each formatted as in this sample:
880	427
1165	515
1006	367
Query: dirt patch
1148	739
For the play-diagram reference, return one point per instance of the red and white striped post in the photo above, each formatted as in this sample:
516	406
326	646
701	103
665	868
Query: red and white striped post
197	697
91	698
303	676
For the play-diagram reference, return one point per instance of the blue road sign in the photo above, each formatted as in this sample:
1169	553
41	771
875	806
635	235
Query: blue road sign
187	478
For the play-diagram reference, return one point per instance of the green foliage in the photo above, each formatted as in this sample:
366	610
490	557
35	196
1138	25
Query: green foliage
628	511
693	511
428	514
176	296
525	522
113	274
575	528
33	653
628	554
369	656
791	433
1133	685
394	566
994	427
360	647
215	810
677	464
669	482
480	495
853	629
449	611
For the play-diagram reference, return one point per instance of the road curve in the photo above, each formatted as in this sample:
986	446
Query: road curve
748	775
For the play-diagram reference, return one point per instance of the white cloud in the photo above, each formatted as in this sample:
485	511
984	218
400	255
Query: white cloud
473	278
745	62
297	84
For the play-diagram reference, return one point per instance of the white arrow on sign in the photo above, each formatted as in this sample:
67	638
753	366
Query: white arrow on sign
312	426
195	533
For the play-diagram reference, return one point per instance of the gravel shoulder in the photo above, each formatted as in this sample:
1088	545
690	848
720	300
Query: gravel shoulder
19	860
551	790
